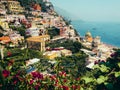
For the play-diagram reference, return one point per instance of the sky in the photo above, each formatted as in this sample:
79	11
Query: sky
92	10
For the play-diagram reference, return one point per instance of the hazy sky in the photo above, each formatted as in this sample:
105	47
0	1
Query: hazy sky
91	10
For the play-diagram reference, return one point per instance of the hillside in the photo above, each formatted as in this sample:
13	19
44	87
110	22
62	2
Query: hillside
66	14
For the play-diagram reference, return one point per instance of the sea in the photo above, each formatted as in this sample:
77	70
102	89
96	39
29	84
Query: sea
108	31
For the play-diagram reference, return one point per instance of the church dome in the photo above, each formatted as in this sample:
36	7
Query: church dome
88	34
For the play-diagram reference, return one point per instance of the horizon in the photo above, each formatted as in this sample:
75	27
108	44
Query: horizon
91	10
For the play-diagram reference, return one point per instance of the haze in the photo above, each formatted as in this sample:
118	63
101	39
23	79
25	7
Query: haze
92	10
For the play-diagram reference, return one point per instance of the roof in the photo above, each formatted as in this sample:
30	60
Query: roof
37	38
90	39
5	39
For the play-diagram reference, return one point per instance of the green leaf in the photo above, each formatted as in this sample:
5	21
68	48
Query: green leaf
119	64
81	88
96	66
109	86
101	79
117	74
103	68
88	80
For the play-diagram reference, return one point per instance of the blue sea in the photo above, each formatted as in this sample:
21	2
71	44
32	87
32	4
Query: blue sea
108	31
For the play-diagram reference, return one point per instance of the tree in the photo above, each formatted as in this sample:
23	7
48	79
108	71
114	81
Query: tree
105	75
74	46
53	32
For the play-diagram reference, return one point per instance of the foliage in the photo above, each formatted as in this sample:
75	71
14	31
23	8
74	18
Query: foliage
53	32
74	46
104	76
75	64
1	34
21	30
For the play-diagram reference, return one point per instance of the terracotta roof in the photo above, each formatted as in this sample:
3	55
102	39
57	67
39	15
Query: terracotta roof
5	39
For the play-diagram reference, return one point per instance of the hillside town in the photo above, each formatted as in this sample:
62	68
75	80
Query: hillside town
41	50
37	24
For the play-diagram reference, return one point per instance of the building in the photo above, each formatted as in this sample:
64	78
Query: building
33	30
4	25
37	7
15	7
5	39
11	18
16	38
37	42
32	61
66	52
88	37
52	54
57	52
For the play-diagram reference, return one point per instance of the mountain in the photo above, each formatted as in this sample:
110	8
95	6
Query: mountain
66	14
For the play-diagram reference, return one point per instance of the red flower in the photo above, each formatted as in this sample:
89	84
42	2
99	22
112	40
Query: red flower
9	54
65	80
53	77
65	87
5	73
10	62
56	85
62	74
74	87
77	79
56	81
113	54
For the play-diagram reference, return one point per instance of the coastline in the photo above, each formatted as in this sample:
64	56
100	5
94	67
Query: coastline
109	32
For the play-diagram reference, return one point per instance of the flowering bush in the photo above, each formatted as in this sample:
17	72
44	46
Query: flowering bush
36	80
104	76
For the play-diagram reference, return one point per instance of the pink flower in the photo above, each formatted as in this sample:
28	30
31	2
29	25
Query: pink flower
37	75
15	82
37	87
31	81
40	76
5	73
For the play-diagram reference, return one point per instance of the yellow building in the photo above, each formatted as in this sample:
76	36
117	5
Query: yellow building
15	7
38	42
50	55
4	25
